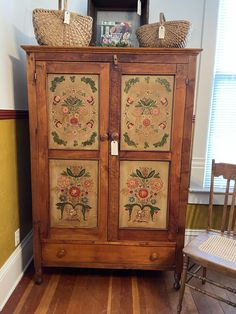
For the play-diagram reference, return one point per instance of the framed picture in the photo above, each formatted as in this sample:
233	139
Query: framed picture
114	24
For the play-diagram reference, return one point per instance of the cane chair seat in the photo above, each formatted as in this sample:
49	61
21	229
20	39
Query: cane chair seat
215	250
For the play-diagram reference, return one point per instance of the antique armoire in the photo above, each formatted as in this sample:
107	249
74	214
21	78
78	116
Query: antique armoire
110	133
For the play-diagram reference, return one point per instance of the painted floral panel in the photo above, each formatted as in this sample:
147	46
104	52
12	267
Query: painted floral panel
146	111
143	194
73	193
73	111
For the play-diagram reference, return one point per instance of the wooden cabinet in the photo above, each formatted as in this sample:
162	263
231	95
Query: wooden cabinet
110	132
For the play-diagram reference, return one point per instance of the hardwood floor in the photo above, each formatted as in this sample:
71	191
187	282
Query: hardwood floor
90	291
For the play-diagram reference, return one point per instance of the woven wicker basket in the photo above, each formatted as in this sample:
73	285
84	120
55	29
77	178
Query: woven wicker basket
50	29
174	34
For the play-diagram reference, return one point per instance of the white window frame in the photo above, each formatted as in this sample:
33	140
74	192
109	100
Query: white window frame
203	95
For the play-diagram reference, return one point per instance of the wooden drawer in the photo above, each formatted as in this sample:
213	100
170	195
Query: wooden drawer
108	255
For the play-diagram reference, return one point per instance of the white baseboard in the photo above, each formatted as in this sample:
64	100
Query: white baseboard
190	234
14	268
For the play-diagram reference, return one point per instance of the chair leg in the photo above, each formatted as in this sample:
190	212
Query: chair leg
184	277
204	271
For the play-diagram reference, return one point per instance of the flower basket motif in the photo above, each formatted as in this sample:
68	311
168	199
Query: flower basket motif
73	190
74	186
143	185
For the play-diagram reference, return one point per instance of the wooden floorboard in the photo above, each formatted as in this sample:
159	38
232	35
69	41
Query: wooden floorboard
93	291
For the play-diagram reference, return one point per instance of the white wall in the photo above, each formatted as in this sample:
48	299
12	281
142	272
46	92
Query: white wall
16	30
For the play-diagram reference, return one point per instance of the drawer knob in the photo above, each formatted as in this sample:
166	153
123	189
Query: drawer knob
61	253
153	257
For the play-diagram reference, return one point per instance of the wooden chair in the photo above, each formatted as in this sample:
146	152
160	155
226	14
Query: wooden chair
214	249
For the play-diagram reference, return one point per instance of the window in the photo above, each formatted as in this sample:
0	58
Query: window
222	128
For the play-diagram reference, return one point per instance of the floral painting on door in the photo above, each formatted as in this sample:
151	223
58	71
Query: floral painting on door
73	111
73	193
143	194
146	112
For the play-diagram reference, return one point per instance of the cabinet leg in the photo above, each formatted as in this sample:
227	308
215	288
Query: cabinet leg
38	276
177	281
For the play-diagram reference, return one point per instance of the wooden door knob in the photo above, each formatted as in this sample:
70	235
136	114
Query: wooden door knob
104	137
61	253
153	257
115	136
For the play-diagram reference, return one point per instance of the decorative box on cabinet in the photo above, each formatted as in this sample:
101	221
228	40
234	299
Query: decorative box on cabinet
91	207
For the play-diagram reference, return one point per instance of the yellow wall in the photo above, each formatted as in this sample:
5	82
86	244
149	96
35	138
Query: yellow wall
15	195
197	216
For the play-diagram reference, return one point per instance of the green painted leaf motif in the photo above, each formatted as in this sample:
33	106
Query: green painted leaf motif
157	175
151	174
147	79
72	78
128	141
57	139
69	172
146	145
133	175
84	209
130	83
153	209
71	102
82	172
130	208
146	103
139	173
164	83
162	142
57	80
89	81
91	140
61	207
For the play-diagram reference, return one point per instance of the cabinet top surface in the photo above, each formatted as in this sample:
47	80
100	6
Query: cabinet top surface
73	49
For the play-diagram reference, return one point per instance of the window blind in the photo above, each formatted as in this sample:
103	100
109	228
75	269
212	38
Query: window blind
222	125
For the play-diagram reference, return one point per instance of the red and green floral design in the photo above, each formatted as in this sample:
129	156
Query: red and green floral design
142	188
146	112
73	111
74	186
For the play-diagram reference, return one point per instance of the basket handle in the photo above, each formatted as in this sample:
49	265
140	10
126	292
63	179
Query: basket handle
64	5
162	18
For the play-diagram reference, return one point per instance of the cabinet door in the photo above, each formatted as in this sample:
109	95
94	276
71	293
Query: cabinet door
147	120
72	106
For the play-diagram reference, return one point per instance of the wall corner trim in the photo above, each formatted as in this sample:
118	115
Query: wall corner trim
12	271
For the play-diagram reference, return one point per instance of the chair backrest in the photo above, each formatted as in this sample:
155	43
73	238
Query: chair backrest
228	172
